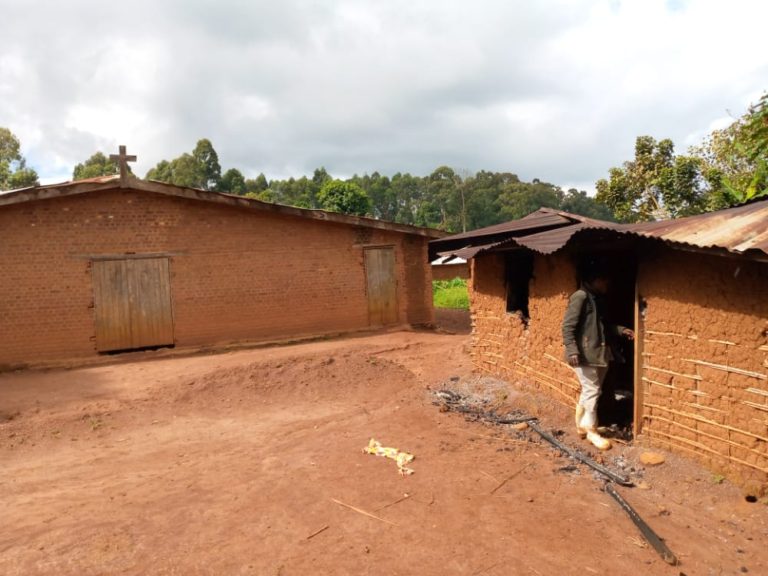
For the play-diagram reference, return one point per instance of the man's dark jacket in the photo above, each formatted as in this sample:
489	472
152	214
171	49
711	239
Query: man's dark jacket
584	333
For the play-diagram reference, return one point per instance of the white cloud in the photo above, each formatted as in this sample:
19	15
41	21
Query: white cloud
556	90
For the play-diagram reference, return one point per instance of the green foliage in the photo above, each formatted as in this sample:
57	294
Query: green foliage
256	185
200	169
450	294
13	166
520	199
345	197
577	202
232	182
207	160
656	184
735	159
97	165
443	199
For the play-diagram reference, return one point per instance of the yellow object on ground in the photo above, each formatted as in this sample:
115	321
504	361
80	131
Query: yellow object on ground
401	458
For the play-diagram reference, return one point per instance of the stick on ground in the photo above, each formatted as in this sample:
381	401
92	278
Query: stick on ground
508	478
610	474
651	537
404	497
316	532
363	512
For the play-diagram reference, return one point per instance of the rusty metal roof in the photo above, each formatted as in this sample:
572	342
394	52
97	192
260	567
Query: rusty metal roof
101	183
540	219
739	230
468	244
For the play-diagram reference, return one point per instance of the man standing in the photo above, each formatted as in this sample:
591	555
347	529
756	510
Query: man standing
588	351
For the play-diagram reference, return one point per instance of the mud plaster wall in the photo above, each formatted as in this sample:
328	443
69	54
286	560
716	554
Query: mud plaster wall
236	275
705	361
503	345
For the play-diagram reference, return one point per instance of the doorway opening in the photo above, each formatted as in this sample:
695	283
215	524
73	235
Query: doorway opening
616	407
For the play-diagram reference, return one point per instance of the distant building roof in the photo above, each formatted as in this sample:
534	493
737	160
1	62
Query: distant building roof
739	230
101	183
448	261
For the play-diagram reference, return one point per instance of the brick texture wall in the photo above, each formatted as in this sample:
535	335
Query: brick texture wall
503	345
236	274
704	343
705	362
450	271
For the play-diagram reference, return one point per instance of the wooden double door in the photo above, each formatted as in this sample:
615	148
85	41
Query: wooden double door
132	303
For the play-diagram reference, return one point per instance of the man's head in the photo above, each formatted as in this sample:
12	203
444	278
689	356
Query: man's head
599	284
596	279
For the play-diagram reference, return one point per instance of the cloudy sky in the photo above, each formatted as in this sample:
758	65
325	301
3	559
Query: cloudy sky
555	90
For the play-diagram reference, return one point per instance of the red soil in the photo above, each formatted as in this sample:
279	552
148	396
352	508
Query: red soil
228	463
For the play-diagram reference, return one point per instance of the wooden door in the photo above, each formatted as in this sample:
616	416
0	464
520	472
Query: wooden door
132	303
382	286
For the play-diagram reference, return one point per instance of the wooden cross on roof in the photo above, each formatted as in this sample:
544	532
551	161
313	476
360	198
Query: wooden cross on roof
122	160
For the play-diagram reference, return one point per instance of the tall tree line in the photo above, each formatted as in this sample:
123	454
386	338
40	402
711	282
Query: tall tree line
444	199
729	167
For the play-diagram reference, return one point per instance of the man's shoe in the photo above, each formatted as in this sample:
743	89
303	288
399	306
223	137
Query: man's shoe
598	441
582	432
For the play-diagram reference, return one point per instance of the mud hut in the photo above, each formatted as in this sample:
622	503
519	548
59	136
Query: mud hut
117	263
694	289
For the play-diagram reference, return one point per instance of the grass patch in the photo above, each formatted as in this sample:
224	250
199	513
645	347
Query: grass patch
450	294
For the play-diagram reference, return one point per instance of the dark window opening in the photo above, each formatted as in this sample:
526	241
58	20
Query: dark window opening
518	274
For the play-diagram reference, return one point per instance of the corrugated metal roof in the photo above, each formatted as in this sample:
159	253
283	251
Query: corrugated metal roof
542	218
469	252
736	230
448	261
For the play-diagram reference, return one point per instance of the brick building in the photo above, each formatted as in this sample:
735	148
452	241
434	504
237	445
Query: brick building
107	265
696	292
447	268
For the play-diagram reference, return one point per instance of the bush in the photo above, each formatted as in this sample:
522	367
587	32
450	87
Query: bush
450	294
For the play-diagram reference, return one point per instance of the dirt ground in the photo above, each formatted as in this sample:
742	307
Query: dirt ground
243	462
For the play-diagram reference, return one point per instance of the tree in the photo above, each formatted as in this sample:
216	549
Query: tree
521	198
14	172
187	171
405	190
345	197
200	169
161	172
232	182
97	165
656	184
577	202
208	162
256	185
735	159
445	198
483	197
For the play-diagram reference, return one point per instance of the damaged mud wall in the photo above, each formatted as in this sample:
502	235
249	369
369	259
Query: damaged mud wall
508	347
705	362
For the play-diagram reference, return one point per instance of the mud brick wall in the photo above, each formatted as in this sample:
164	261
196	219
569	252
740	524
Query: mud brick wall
502	344
705	362
236	274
